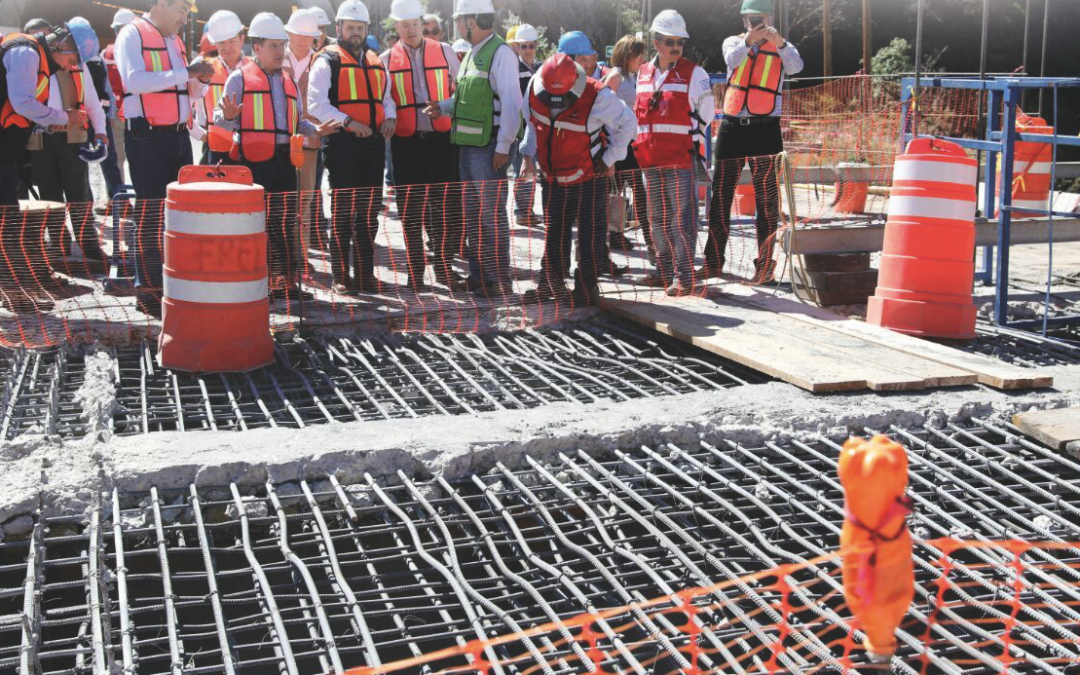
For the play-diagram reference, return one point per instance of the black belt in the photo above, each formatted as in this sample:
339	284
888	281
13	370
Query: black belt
181	128
432	134
748	121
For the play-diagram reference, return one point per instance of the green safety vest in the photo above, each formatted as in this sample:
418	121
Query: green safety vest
474	101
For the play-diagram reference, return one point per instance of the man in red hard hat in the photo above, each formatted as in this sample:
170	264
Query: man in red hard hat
577	129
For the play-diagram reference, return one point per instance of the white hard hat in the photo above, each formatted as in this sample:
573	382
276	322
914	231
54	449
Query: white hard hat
303	23
223	25
467	7
526	32
353	10
268	26
669	22
406	10
122	18
320	16
461	46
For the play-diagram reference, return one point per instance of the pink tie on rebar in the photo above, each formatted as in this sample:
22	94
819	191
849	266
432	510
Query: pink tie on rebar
927	266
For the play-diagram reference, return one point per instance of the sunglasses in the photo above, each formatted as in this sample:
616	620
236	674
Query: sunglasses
431	33
527	45
673	43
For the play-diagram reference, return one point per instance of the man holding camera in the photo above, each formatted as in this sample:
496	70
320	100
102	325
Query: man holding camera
757	62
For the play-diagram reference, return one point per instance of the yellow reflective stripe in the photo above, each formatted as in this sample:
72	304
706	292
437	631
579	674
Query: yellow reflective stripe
739	74
765	71
260	112
399	79
43	86
352	84
155	62
440	85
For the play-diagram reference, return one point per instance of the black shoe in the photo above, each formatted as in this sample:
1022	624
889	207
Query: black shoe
709	271
452	280
654	280
545	292
589	296
620	242
149	306
613	270
531	220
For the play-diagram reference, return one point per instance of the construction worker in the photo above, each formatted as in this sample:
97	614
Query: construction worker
433	29
461	48
567	115
116	161
674	105
226	33
26	64
486	117
323	19
757	62
348	85
421	70
524	39
159	86
303	30
579	47
59	173
626	60
260	109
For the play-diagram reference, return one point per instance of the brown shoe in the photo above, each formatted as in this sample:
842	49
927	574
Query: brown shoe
654	280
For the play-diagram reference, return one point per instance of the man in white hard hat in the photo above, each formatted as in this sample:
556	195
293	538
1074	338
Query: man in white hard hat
525	40
303	30
486	117
159	86
259	96
461	47
349	86
422	69
757	62
674	107
324	22
117	153
226	32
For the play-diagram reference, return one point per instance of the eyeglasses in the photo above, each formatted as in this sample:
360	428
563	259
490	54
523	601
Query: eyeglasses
432	33
674	43
527	45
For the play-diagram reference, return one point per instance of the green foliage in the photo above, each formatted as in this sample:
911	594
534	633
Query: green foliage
898	57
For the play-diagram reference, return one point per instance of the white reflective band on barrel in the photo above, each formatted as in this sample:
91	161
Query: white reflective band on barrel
932	207
671	129
1036	205
214	224
1039	168
571	178
215	292
937	172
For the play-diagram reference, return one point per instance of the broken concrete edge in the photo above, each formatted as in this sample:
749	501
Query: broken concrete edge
67	477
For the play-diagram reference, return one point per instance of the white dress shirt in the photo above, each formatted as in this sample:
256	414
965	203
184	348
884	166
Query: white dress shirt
202	124
419	78
137	80
91	102
318	96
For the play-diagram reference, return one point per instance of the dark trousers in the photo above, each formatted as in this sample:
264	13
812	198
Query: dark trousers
278	177
13	142
356	168
629	171
586	204
156	157
62	177
422	173
110	168
17	236
736	145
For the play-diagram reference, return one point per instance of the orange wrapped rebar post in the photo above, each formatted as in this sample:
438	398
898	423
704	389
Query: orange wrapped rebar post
879	575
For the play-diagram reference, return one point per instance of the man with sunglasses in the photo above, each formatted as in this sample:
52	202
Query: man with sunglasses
524	39
757	62
433	27
674	105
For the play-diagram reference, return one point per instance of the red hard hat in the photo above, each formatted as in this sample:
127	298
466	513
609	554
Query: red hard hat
559	74
206	47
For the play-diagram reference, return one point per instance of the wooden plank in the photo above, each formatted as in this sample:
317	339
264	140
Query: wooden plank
810	357
991	372
1057	429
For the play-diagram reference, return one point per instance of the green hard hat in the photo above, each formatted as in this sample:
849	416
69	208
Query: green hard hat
757	7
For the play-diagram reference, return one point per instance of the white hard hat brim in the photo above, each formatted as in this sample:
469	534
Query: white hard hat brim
296	31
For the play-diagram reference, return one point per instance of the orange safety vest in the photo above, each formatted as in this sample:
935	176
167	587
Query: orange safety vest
437	72
217	138
258	124
357	88
8	116
160	108
755	86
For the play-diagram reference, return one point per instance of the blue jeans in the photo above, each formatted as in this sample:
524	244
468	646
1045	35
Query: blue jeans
582	203
524	190
673	209
110	168
488	224
156	158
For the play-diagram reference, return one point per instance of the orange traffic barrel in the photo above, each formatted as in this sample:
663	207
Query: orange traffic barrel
216	311
927	264
852	187
1032	164
745	202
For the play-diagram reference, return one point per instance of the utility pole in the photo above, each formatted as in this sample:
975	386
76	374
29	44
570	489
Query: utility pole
618	19
826	27
1042	65
867	36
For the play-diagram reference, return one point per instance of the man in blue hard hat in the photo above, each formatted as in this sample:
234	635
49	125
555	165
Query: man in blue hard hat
757	61
580	48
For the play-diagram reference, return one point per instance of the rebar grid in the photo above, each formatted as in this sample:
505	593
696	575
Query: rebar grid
314	577
38	393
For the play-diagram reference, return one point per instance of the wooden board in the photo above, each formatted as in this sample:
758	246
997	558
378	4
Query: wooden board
814	358
991	372
1058	429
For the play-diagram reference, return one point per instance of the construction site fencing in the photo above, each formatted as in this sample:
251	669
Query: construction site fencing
359	254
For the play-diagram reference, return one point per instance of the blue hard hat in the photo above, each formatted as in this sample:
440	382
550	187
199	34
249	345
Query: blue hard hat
576	43
372	43
85	38
93	151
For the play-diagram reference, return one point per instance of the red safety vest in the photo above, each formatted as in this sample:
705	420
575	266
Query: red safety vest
8	116
217	138
160	108
755	86
665	119
357	88
437	72
115	82
258	124
565	144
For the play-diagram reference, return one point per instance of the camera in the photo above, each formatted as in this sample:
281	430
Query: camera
756	21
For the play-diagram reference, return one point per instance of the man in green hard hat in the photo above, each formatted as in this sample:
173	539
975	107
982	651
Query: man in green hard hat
757	62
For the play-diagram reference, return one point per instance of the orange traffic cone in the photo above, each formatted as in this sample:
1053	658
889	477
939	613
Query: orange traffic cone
879	575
